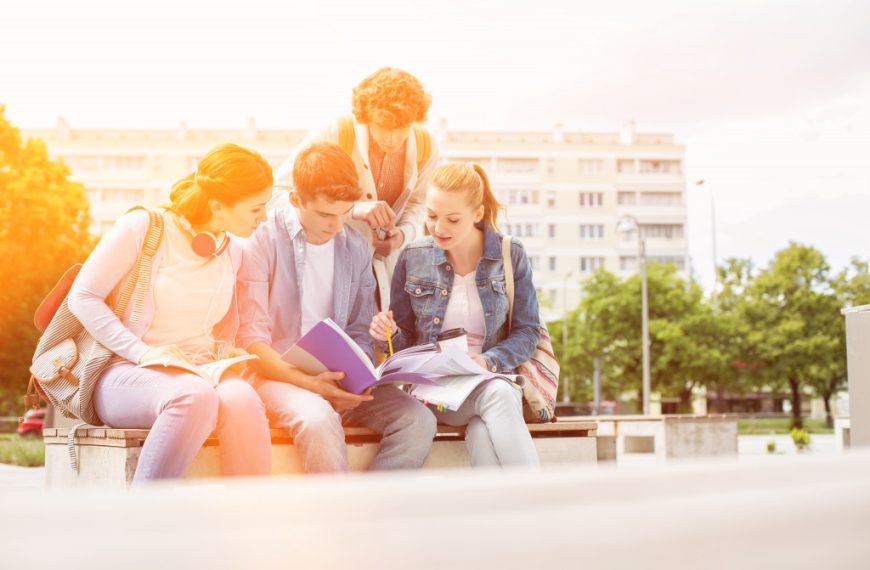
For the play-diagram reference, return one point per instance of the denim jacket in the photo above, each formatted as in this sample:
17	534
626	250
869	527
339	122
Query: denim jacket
421	287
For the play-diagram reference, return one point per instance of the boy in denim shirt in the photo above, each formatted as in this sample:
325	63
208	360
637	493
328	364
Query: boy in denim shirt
301	266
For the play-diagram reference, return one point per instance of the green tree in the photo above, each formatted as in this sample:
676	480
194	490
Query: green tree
791	320
43	230
686	348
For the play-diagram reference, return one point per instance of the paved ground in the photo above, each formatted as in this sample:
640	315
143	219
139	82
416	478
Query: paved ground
31	479
21	479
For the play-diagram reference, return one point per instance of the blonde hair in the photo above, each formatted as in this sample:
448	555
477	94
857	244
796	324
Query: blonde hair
471	179
228	173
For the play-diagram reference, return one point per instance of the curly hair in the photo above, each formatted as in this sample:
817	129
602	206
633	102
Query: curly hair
394	96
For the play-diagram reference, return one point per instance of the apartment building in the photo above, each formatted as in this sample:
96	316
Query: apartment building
564	191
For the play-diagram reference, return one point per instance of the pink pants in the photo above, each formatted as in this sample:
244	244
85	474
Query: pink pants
181	410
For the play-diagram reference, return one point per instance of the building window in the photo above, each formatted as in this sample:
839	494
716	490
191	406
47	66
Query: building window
625	166
659	166
123	195
628	263
591	199
591	231
551	199
82	162
661	231
521	196
125	162
677	261
590	167
661	198
551	230
626	198
551	264
522	230
536	262
590	264
516	165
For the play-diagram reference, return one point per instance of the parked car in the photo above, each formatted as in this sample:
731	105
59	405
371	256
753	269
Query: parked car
32	423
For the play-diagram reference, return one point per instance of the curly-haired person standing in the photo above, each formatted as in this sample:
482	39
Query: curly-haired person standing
394	157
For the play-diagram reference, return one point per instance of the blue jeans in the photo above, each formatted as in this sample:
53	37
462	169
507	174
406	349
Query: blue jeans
407	427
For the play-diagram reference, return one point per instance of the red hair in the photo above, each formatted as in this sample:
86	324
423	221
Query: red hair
228	173
324	169
395	97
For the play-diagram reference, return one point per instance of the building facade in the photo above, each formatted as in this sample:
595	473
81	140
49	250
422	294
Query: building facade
564	192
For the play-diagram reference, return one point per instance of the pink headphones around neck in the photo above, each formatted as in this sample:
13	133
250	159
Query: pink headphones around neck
205	244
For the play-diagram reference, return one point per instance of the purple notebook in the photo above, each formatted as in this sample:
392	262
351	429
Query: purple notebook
328	348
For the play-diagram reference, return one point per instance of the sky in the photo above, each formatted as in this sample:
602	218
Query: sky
770	98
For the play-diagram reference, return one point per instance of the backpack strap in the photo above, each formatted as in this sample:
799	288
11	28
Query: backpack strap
140	280
346	134
347	138
424	145
508	275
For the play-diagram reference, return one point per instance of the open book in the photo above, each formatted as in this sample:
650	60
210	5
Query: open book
211	372
442	378
327	348
457	375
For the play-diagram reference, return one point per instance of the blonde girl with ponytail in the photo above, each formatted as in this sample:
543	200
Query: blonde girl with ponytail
455	278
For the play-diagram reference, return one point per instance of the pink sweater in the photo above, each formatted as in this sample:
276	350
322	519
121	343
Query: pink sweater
103	276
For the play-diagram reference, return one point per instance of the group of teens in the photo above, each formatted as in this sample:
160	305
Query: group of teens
346	243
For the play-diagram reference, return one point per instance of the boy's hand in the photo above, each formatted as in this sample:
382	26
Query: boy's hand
394	240
377	214
327	384
379	324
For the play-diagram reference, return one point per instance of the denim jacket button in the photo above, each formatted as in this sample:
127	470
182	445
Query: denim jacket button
494	368
448	268
436	320
443	292
418	290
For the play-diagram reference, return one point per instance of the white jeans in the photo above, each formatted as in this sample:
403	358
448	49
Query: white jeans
496	434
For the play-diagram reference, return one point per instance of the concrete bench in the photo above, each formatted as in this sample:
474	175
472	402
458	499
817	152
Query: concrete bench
108	457
667	436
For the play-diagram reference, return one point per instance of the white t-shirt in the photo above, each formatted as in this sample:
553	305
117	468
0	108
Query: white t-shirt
191	295
317	284
465	310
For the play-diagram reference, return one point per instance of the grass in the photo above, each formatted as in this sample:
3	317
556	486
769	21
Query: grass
778	426
23	451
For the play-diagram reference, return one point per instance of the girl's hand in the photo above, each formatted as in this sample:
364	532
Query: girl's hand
238	367
479	359
379	324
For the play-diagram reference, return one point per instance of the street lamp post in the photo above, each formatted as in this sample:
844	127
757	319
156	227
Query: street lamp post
625	226
566	396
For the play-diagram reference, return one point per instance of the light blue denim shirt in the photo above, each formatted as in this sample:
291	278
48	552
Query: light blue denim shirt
270	284
422	284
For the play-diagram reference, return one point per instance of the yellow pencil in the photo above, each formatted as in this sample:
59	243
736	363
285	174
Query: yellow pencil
389	339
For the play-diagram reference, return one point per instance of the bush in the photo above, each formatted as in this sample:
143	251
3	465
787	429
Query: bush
771	446
801	438
26	452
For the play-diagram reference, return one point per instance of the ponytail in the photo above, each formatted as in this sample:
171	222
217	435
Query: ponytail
471	179
228	173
